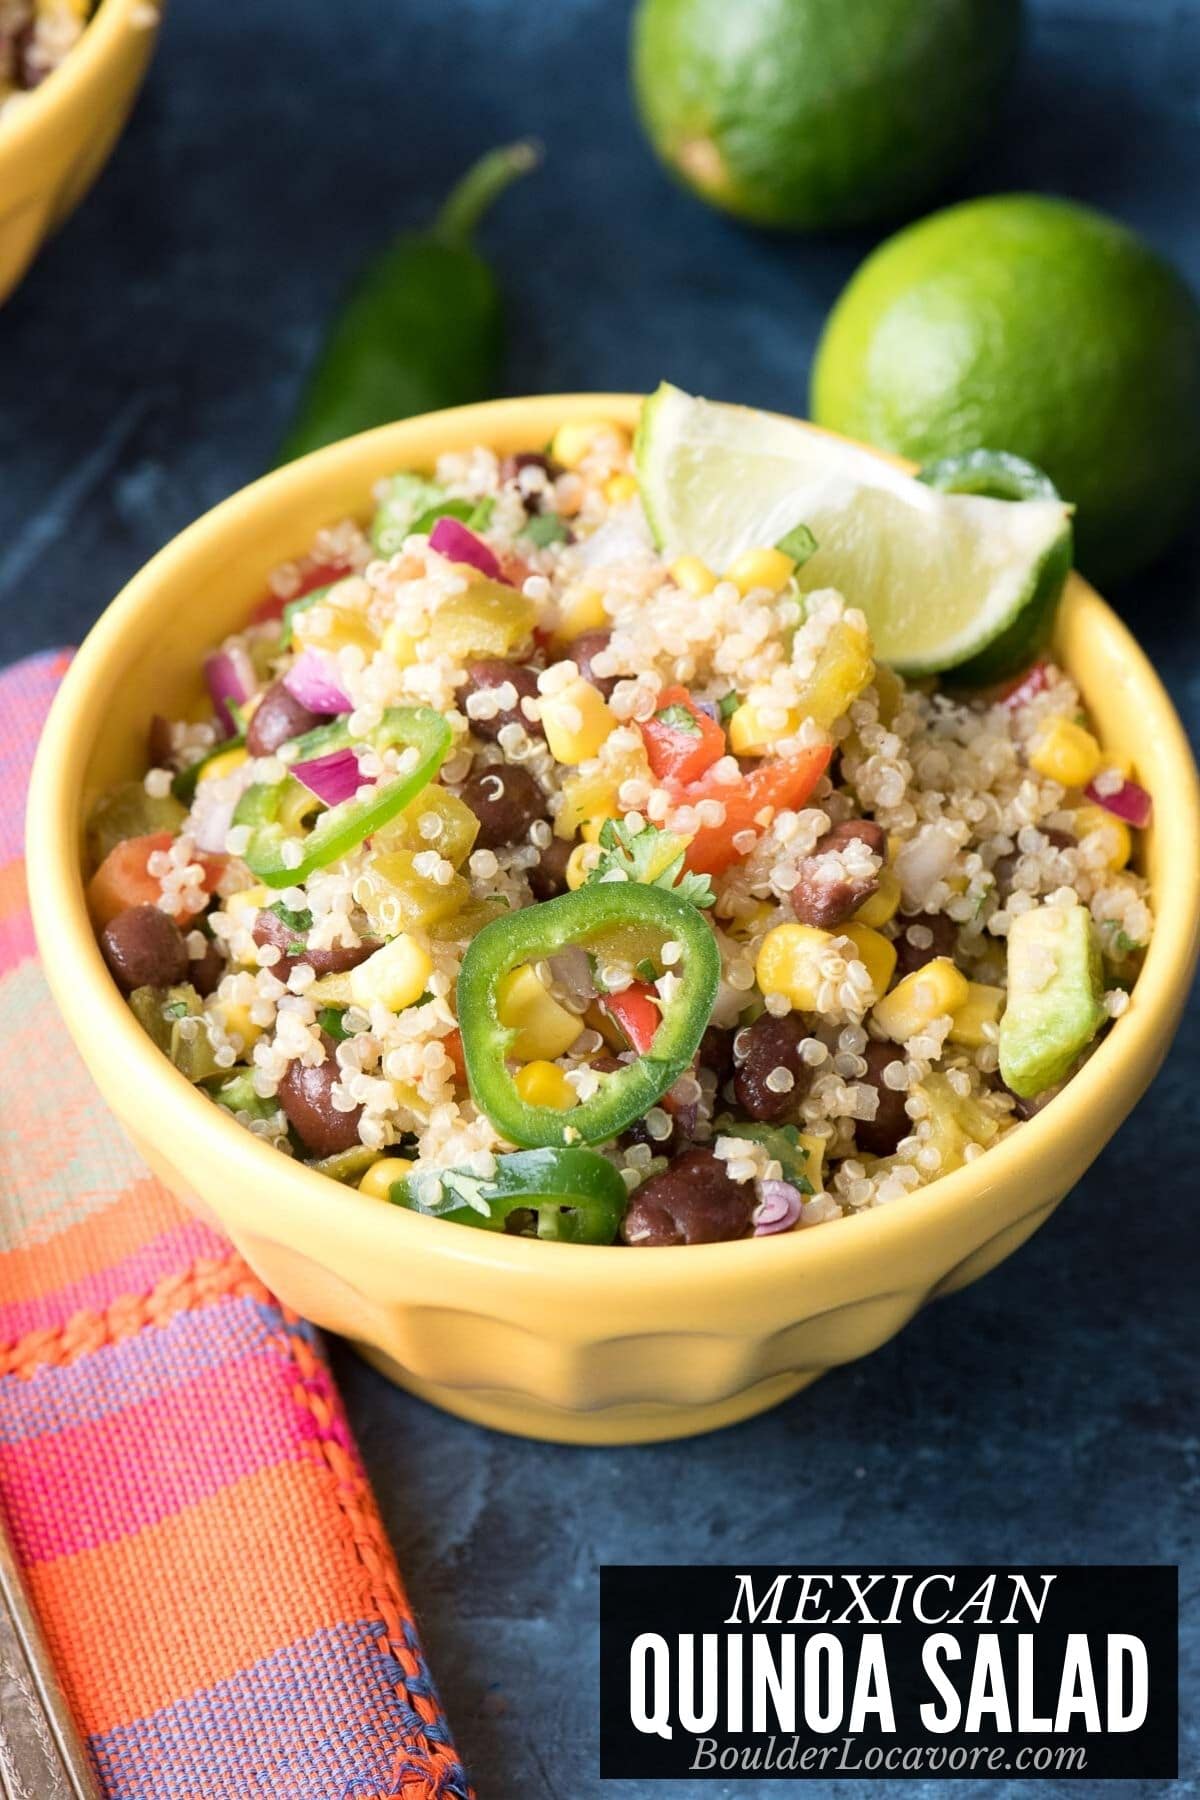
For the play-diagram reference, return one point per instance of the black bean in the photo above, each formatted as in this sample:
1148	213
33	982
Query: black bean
1005	867
306	1096
204	972
582	649
548	877
694	1201
880	1135
910	956
143	947
160	743
511	466
818	900
269	928
767	1045
506	800
277	719
491	672
716	1053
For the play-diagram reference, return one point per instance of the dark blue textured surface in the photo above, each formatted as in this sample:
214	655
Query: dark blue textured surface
146	370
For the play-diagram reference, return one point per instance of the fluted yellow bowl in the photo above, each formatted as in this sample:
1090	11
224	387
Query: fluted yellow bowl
55	143
585	1344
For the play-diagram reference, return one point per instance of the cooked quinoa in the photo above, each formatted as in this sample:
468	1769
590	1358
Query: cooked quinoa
35	36
852	1052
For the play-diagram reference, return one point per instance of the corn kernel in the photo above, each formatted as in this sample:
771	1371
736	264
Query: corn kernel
619	489
248	900
693	575
982	1007
580	864
1066	752
771	569
541	1028
876	953
396	976
219	766
576	721
814	1158
920	998
787	964
574	440
544	1084
748	736
234	1017
582	610
844	667
377	1182
399	646
882	904
1118	842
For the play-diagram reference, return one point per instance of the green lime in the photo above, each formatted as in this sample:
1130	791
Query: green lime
819	113
1039	327
947	579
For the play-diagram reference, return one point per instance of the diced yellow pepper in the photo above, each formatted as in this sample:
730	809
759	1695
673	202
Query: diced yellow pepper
770	569
580	863
582	610
399	646
217	767
693	575
395	898
576	721
843	669
883	903
982	1007
338	619
395	976
1117	839
751	735
787	963
486	619
435	820
619	489
920	998
957	1121
814	1158
1066	752
542	1029
592	794
544	1084
331	990
876	953
377	1182
577	438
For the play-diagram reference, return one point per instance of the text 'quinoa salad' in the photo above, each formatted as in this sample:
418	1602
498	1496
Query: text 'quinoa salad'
554	856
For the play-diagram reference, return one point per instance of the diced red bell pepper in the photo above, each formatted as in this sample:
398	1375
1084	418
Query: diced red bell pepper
783	784
123	880
1033	680
317	575
678	752
637	1012
452	1044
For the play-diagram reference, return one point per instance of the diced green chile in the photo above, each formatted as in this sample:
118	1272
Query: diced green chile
340	829
237	1095
628	916
162	1012
128	811
575	1196
347	1166
779	1141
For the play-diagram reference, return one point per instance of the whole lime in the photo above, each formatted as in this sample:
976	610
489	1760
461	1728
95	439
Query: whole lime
819	113
1035	326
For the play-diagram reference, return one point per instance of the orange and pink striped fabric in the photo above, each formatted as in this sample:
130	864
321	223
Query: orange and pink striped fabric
176	1472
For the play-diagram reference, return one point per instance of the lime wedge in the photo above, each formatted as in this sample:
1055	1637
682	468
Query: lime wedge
947	580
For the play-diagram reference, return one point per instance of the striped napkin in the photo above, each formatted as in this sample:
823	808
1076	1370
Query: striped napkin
176	1473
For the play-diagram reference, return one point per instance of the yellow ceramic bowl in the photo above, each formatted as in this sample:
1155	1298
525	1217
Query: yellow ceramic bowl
53	146
585	1344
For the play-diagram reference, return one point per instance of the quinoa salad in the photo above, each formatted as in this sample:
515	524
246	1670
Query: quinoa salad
525	873
35	36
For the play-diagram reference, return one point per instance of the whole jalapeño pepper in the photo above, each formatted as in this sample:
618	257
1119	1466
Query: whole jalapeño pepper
422	327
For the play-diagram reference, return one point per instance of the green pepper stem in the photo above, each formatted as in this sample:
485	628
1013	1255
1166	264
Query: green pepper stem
483	183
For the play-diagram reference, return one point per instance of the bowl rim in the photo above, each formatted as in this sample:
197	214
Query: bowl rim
88	62
285	1201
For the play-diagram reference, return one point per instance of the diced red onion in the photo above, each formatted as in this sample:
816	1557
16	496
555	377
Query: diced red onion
311	679
333	777
778	1208
924	861
1130	802
231	677
450	538
1034	681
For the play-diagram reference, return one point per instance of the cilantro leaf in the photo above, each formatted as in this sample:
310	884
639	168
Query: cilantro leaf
545	528
330	1020
727	706
679	719
799	543
651	856
295	921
